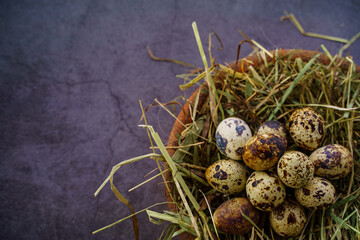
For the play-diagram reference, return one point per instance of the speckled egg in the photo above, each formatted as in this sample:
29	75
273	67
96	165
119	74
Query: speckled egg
319	193
265	190
272	127
228	217
306	128
231	135
288	219
295	169
227	176
332	161
263	151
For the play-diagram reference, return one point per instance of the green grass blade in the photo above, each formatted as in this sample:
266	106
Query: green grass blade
173	167
130	216
322	226
183	222
342	223
170	232
208	75
116	167
194	81
291	87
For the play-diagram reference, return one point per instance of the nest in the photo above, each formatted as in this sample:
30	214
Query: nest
267	85
261	87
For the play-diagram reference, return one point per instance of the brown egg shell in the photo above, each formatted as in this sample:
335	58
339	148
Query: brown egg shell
274	127
332	161
263	151
288	219
306	128
265	191
227	176
228	216
319	193
295	169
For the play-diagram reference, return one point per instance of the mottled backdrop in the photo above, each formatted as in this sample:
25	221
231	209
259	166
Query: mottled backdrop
71	77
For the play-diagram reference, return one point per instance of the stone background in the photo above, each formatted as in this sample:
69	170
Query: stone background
71	77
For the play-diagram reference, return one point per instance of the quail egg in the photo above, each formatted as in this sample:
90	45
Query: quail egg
231	135
288	219
295	169
227	176
319	193
272	127
229	216
263	151
332	161
264	190
306	128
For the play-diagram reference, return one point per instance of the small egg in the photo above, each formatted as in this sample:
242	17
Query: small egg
264	190
306	128
227	176
295	169
274	127
263	151
319	193
288	219
228	217
231	135
332	161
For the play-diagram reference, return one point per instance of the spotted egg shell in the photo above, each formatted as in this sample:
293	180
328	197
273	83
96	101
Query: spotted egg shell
227	176
295	169
231	135
264	190
288	219
274	127
229	216
319	193
332	161
306	128
263	151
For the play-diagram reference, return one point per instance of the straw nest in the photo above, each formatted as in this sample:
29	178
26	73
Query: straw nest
267	85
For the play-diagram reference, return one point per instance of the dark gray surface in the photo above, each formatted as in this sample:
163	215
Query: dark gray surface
71	76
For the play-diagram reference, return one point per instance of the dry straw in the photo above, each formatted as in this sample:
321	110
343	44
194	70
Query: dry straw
270	91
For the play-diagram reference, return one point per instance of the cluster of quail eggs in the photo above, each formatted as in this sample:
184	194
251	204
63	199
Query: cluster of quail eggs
261	165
